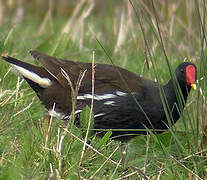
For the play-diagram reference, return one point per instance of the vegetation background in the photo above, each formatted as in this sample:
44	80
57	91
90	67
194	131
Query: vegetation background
132	33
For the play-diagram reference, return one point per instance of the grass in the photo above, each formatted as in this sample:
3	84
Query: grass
171	32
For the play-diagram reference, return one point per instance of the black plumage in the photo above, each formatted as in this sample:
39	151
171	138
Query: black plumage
122	99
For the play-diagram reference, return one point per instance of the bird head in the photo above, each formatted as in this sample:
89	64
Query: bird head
186	74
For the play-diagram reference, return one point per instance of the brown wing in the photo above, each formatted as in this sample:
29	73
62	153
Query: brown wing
107	77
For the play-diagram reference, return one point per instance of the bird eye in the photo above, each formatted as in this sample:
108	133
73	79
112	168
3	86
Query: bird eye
181	70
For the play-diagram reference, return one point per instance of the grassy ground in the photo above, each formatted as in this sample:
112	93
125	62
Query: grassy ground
165	32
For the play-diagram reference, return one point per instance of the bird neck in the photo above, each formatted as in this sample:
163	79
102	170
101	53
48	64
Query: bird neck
176	92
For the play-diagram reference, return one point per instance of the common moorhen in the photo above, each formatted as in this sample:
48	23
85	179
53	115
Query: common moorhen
122	99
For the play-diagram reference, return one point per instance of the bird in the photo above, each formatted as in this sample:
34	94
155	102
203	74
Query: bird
123	102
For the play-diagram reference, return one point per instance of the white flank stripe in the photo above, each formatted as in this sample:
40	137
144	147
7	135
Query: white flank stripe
80	97
109	102
43	82
105	96
67	117
77	111
119	93
53	113
97	115
88	96
96	97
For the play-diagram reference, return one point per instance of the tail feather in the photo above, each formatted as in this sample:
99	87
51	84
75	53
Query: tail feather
35	74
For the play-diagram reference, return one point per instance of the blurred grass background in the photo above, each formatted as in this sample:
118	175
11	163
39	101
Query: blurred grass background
159	31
